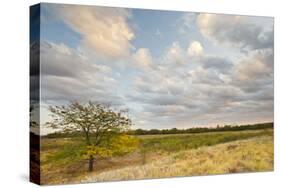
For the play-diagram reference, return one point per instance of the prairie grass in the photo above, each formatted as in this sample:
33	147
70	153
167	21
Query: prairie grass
161	156
172	143
255	154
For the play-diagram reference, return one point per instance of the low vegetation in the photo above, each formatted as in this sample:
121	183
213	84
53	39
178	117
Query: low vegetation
179	142
218	128
251	155
162	155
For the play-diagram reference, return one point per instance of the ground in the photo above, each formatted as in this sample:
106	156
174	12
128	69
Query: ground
255	154
163	156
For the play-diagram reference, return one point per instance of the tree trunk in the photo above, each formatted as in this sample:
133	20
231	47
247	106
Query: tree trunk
91	163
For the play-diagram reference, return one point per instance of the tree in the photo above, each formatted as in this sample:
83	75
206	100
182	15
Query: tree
118	145
98	123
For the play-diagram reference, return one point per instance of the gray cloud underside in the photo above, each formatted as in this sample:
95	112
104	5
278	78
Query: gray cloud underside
68	76
245	32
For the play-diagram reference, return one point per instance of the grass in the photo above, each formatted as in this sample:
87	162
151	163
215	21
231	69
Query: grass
250	155
192	141
161	156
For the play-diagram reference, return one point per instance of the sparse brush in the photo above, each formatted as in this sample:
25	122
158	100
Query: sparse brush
156	156
219	159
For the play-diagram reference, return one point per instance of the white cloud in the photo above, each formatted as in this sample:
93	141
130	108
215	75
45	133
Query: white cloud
142	58
204	76
187	22
208	91
174	54
254	72
243	32
257	65
104	29
60	60
160	94
183	85
66	76
195	49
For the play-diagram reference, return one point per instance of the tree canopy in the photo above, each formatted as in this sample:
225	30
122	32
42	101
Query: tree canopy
91	118
100	125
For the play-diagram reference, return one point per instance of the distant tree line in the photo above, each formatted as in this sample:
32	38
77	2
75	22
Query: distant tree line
175	130
202	129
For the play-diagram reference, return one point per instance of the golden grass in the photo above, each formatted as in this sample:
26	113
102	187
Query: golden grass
255	154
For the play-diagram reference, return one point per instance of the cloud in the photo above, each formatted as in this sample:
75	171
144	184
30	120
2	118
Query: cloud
255	71
66	75
187	22
216	63
207	92
60	60
174	54
195	49
204	76
142	58
166	110
34	72
176	86
159	82
239	31
106	30
160	95
257	65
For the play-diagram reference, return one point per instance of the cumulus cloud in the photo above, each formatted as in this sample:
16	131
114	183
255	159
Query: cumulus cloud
255	71
175	54
217	63
185	95
195	49
209	91
186	84
142	58
60	60
67	76
238	31
204	76
104	29
257	65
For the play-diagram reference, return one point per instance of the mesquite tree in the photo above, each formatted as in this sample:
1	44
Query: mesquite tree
97	122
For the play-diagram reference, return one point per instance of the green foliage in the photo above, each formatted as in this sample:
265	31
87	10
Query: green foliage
98	152
124	144
192	141
89	119
98	124
202	129
62	151
117	146
62	158
172	131
250	155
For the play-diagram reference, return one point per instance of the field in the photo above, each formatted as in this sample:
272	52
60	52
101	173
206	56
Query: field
161	156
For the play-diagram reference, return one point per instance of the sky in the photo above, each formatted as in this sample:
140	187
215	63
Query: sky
168	68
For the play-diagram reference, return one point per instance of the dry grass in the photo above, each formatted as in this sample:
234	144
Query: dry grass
255	154
161	156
